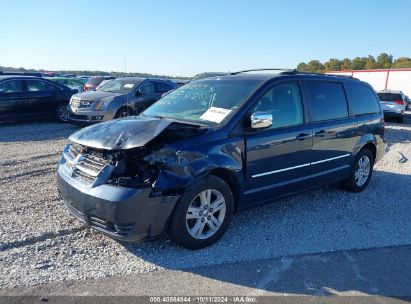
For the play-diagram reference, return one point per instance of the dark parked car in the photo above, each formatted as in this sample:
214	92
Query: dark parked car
26	96
94	82
120	97
218	145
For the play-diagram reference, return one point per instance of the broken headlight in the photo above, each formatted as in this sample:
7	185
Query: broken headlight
134	174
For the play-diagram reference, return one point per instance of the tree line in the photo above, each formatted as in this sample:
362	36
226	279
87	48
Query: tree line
383	61
86	73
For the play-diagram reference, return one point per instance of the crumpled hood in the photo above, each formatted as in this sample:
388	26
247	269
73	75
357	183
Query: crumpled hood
118	134
95	95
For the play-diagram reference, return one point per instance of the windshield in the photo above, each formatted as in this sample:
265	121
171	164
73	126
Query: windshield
122	86
208	101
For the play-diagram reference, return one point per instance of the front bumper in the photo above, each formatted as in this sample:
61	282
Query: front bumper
125	214
82	116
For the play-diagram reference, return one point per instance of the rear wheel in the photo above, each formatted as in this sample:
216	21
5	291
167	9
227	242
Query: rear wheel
124	112
61	113
203	213
361	172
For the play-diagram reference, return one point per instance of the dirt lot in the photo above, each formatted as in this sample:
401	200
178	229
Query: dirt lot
41	242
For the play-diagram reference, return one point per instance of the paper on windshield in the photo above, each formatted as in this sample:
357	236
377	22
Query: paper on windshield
215	114
128	85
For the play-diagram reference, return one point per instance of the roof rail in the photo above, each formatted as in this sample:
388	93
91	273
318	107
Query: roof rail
321	74
258	70
343	76
293	71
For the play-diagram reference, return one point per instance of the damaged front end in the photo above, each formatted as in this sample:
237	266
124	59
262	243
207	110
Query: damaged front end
135	187
156	164
136	159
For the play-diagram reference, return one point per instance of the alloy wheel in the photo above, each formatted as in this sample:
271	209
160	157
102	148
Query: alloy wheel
362	171
124	114
206	214
62	113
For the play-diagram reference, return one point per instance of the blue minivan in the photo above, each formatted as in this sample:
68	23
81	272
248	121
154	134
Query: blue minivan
218	145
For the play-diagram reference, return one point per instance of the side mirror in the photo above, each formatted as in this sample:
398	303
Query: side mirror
260	120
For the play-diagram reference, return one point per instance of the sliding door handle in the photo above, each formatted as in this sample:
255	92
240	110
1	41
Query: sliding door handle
303	136
320	133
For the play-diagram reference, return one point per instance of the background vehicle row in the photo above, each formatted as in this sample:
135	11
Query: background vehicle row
23	97
117	98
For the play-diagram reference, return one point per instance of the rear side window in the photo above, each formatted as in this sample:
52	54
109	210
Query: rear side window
36	85
11	86
389	96
327	100
161	87
147	88
361	99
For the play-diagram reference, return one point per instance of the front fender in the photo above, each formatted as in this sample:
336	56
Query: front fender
180	168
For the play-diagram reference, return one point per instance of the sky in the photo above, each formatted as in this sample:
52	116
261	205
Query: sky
186	37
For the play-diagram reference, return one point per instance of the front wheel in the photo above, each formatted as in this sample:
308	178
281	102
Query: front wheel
203	213
361	172
61	113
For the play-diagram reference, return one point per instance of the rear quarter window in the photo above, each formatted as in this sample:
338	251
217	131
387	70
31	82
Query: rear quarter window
327	100
52	86
361	99
36	85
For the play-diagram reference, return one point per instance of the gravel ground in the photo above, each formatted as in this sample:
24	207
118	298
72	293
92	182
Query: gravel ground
40	242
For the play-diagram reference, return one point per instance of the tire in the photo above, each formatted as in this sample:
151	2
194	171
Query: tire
193	229
123	112
61	113
359	178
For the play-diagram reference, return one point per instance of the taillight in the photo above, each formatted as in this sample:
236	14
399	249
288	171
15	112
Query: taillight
400	102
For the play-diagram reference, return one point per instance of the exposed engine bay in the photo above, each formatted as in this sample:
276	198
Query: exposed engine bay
140	167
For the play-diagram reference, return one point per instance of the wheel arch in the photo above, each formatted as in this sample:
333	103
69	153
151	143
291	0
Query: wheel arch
231	180
367	141
123	107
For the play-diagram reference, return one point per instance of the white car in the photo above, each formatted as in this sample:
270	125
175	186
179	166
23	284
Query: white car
393	103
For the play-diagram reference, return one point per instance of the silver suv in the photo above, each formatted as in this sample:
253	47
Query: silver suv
120	97
393	104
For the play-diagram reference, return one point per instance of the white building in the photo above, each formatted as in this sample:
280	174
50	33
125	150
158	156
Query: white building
382	79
